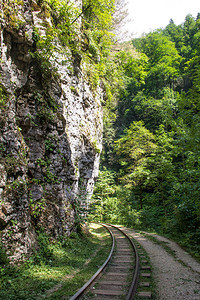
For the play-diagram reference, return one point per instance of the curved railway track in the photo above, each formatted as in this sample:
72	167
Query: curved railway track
117	278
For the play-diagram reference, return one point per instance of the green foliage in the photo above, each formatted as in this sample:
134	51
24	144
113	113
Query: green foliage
153	112
50	265
12	14
3	97
101	10
136	143
175	34
36	207
17	187
163	64
49	146
101	206
80	207
45	252
48	176
3	258
155	137
151	116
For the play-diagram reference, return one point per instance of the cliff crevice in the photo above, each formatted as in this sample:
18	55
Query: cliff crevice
51	130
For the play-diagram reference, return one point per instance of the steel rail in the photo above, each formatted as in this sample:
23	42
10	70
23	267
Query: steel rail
135	278
134	284
99	271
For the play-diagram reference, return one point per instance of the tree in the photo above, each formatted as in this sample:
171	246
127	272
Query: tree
175	34
156	134
120	18
132	150
163	64
103	203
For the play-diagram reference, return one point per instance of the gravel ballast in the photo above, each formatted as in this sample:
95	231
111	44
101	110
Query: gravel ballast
177	276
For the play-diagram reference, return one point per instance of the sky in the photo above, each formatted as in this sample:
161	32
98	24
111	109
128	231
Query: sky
148	15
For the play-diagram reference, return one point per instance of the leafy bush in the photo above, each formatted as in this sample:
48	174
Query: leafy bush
45	251
3	256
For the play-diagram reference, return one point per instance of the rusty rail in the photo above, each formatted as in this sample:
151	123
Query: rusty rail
135	278
99	271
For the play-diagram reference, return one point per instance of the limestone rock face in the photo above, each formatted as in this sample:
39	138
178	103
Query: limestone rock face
50	137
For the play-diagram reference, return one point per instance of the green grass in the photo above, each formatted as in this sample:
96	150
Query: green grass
172	252
190	244
160	243
64	265
189	241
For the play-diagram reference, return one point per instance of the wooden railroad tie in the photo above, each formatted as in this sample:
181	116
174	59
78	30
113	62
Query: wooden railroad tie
145	267
147	275
145	295
144	284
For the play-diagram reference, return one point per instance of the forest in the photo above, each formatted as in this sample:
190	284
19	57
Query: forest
150	165
149	177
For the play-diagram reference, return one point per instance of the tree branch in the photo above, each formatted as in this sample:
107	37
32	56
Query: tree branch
85	9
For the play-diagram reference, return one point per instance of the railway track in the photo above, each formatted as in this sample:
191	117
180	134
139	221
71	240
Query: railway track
118	276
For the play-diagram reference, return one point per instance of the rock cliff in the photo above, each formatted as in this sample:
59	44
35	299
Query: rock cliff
51	129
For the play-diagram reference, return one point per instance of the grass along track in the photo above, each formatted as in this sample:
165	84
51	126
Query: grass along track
58	269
